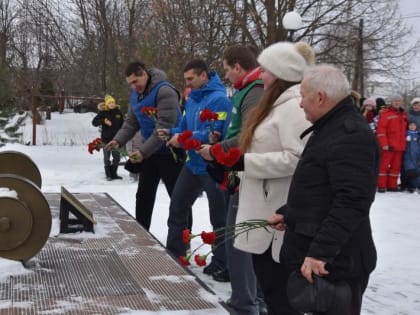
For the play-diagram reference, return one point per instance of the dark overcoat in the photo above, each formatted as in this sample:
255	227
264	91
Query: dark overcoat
333	187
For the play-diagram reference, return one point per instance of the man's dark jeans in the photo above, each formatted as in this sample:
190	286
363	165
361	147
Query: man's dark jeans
157	167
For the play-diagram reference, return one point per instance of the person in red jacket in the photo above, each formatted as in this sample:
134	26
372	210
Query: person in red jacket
391	130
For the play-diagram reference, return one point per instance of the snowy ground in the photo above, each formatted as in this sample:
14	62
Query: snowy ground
62	157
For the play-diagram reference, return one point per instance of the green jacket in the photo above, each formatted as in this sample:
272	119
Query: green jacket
243	101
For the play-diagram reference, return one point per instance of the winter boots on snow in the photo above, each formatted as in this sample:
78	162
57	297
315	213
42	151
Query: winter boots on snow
111	172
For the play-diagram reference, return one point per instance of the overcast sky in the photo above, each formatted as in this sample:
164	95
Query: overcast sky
410	10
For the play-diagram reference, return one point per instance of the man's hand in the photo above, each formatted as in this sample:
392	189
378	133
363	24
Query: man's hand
205	152
163	133
277	222
173	142
214	137
113	144
136	157
313	266
107	122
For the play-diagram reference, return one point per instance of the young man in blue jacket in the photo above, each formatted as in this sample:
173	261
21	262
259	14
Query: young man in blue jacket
208	93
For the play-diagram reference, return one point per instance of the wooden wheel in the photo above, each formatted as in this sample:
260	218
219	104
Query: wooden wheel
30	210
17	163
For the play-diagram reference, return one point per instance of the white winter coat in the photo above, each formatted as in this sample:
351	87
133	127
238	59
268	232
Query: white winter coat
269	165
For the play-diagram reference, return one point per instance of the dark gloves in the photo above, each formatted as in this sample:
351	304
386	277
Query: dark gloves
282	209
133	167
239	165
411	174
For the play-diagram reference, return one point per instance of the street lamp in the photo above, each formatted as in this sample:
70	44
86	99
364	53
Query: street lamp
291	22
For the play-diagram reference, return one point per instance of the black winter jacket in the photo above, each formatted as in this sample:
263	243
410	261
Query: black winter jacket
115	116
333	187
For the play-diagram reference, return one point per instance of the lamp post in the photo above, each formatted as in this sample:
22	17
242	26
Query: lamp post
291	22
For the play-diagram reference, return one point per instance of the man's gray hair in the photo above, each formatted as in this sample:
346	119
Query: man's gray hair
327	78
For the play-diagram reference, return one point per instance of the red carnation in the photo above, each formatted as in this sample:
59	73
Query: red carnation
184	261
200	260
207	115
186	236
232	157
208	237
96	144
192	144
149	111
184	136
217	152
227	159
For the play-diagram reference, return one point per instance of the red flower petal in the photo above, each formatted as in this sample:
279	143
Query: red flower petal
232	157
186	236
184	136
184	261
200	260
208	237
207	115
192	144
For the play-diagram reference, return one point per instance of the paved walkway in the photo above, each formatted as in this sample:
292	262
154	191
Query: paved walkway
119	269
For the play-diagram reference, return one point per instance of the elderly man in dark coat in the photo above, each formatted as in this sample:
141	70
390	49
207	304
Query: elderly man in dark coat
328	232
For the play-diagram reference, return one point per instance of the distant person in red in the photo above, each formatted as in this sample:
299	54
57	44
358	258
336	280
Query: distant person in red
368	111
391	134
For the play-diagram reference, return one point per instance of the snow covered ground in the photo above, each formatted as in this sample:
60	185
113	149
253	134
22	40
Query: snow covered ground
63	159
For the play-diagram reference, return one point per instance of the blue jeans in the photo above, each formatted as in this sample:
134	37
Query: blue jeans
187	188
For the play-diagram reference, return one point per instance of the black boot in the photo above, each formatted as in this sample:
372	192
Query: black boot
114	174
108	172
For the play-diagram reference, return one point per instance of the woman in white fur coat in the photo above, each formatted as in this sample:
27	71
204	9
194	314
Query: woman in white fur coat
272	147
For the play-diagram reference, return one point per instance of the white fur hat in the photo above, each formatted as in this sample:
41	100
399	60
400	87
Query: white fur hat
284	61
415	100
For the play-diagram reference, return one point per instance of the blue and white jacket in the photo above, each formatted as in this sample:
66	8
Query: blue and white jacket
211	96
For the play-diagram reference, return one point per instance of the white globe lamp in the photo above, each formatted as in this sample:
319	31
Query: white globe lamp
291	22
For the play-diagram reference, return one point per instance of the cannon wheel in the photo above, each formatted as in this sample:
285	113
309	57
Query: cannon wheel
25	221
14	162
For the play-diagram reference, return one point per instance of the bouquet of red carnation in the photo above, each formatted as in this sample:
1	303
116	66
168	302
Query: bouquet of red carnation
188	142
207	115
184	136
151	112
210	238
228	159
97	145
